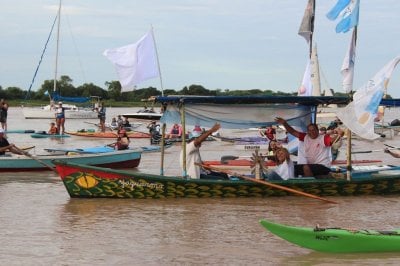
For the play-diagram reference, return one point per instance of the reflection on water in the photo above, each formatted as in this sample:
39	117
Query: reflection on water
42	225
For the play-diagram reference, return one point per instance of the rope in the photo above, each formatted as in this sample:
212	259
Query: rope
41	58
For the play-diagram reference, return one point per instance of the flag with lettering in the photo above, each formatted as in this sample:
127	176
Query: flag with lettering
348	12
359	115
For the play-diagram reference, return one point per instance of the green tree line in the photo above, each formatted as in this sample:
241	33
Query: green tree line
112	91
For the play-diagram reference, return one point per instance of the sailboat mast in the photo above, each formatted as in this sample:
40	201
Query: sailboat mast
158	62
57	47
315	77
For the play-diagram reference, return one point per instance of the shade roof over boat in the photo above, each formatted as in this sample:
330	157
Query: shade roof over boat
310	100
390	102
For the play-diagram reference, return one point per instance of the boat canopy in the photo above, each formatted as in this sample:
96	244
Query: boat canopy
390	102
309	100
57	97
243	112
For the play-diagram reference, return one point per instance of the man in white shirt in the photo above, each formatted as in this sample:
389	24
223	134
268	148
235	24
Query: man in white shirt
314	150
193	157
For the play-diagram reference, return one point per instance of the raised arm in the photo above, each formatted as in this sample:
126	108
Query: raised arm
288	127
205	135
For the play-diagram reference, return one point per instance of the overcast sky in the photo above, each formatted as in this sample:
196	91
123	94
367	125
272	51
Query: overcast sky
220	44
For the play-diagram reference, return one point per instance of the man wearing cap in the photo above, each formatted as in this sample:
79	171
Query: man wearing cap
6	146
60	118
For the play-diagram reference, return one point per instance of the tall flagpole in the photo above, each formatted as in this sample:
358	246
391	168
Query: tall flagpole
348	131
158	62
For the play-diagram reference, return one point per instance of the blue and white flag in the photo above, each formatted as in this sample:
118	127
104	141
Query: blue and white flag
348	11
359	115
337	9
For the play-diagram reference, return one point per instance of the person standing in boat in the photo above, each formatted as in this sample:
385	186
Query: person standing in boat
6	146
285	166
3	114
101	114
314	157
60	118
193	157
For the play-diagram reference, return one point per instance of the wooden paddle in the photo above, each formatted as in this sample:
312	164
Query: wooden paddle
268	183
36	159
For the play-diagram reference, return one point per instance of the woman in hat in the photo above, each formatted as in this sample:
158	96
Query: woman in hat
60	118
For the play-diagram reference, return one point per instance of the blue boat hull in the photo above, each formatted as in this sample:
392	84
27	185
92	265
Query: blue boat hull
117	159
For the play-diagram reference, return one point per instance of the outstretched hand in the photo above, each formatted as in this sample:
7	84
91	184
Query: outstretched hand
280	120
216	127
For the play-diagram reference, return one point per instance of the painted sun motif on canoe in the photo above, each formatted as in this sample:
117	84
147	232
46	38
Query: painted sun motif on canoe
86	181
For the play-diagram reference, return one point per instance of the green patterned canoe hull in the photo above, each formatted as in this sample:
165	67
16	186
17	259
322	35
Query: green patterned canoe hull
89	181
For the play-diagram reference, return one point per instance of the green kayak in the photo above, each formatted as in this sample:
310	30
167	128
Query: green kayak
45	135
337	240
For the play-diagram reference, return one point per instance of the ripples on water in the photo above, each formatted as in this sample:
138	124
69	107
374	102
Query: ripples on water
42	225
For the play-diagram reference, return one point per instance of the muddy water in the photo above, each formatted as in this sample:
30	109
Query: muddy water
40	224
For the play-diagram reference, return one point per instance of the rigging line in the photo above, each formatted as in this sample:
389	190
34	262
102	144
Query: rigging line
76	49
41	58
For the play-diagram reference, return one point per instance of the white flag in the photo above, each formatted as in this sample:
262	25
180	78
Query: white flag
359	115
136	62
306	87
348	65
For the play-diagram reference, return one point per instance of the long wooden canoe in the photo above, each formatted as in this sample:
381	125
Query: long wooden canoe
110	183
337	240
116	159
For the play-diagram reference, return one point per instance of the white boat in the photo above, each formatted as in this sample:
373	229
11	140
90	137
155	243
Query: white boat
144	115
48	112
71	111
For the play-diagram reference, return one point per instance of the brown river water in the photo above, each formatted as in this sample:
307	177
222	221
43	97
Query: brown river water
42	225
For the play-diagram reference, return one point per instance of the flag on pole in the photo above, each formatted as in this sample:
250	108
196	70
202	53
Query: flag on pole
347	70
359	115
306	87
307	24
135	62
348	11
337	9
